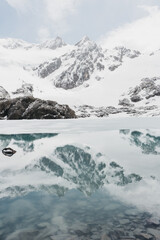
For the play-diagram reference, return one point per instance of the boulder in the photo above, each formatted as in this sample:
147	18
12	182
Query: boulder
125	102
136	98
34	108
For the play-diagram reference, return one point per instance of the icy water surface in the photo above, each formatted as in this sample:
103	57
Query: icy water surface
86	185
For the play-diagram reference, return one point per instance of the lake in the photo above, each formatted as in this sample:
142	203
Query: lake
80	180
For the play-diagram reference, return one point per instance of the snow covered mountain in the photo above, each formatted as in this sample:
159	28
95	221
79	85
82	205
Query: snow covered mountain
85	75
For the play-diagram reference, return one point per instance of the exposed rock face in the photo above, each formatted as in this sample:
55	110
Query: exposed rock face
85	59
3	93
78	65
47	68
34	108
88	58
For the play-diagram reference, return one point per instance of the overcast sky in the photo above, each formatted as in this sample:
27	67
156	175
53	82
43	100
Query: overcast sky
134	23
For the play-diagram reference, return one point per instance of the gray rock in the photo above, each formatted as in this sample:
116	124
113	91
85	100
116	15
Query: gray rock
45	69
25	90
153	222
136	98
113	67
105	237
144	236
148	88
154	232
125	102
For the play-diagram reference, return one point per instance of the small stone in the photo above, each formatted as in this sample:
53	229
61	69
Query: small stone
43	225
153	222
9	152
105	237
144	236
124	221
136	98
154	232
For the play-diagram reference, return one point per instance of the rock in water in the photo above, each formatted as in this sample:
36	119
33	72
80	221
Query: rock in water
8	152
34	108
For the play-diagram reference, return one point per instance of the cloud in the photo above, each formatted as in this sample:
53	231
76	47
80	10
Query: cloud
54	13
58	10
43	34
142	34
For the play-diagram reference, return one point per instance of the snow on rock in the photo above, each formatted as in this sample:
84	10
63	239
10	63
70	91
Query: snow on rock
85	59
46	68
25	90
148	88
11	43
52	44
116	56
3	93
91	75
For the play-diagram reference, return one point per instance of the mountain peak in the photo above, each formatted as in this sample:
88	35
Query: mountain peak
53	43
84	40
13	43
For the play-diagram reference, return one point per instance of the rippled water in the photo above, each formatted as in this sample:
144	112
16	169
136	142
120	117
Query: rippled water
88	185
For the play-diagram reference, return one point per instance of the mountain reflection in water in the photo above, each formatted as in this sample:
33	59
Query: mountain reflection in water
80	186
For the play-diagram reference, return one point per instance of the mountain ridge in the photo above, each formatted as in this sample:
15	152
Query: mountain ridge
75	74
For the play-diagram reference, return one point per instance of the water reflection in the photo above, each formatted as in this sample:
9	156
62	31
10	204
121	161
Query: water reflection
148	143
57	169
24	141
58	187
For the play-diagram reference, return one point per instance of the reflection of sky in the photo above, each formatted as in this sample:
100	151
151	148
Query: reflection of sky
50	215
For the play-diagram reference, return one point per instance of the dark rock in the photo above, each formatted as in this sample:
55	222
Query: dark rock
34	108
8	152
136	98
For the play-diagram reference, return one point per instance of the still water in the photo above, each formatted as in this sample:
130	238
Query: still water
87	185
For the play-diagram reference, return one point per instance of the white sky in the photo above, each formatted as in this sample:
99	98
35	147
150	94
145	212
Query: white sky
111	22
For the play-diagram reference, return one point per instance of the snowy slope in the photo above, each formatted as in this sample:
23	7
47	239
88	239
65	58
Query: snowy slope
81	74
